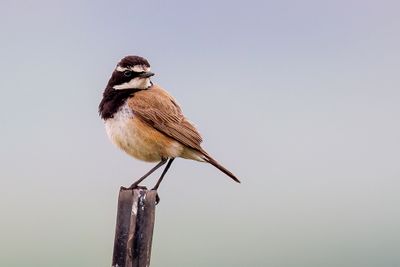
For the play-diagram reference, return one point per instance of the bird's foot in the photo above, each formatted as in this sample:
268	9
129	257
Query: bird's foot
135	186
157	197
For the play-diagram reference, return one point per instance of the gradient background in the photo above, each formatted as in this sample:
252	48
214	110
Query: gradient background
301	99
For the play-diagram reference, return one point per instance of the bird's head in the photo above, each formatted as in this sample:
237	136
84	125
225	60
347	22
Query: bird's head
132	72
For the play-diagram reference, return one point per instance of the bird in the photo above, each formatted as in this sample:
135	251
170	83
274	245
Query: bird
146	122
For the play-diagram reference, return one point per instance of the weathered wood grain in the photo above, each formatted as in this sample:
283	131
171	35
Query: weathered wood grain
134	227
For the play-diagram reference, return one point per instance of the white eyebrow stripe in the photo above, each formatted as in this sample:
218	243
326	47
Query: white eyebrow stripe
140	68
136	68
121	69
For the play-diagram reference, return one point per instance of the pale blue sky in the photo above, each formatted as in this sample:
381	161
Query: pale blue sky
300	99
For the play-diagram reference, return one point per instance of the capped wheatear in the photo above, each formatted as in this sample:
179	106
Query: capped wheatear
146	122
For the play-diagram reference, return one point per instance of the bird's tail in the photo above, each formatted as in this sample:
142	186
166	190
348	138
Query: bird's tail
212	161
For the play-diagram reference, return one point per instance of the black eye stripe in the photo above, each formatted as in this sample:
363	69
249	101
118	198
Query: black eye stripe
119	77
127	73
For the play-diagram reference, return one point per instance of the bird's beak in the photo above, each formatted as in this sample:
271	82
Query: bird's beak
146	74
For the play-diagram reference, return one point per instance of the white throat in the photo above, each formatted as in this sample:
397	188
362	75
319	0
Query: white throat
135	83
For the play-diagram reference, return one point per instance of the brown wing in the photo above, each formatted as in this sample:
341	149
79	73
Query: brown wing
160	110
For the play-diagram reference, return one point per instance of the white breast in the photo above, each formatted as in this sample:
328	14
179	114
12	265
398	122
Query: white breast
116	126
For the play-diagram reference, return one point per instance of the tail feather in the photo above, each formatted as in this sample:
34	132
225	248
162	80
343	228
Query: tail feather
212	161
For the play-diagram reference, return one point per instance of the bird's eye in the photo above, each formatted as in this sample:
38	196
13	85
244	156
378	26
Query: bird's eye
127	73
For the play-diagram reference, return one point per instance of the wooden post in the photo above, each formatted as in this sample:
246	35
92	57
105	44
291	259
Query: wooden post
134	227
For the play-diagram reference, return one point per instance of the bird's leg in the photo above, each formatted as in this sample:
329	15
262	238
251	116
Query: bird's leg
163	173
136	184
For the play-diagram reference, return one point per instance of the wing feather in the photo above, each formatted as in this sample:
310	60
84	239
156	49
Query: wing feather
160	110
